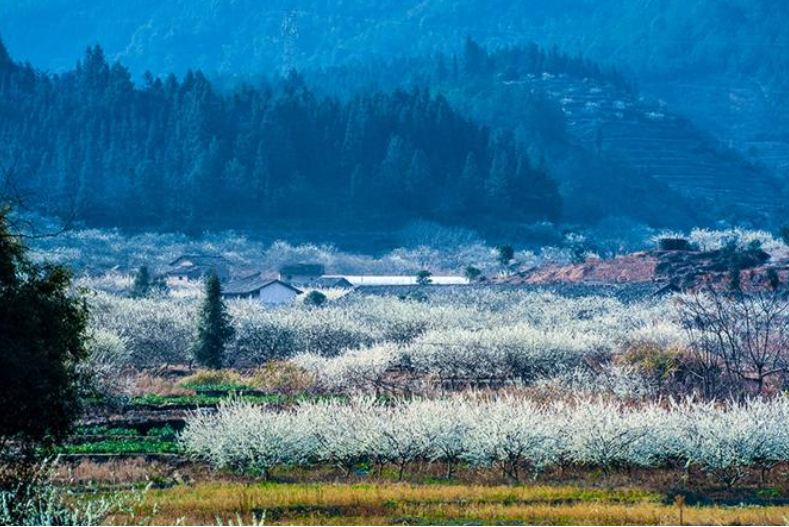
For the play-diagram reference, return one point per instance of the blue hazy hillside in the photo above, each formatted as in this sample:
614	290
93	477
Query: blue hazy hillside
667	112
651	38
720	62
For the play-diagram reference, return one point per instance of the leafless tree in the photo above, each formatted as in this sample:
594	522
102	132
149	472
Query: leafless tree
739	341
12	199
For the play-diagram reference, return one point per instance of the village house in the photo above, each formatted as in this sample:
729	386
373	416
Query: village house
332	282
301	274
268	291
191	267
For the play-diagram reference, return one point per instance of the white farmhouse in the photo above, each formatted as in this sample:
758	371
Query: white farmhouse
269	292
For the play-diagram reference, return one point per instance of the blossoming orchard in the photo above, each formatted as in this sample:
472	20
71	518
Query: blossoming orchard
513	434
445	262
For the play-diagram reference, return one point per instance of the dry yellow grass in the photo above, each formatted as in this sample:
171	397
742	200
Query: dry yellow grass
386	504
112	472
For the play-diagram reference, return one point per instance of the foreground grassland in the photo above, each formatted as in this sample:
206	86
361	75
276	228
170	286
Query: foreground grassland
406	504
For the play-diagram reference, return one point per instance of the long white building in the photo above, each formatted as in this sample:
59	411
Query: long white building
372	280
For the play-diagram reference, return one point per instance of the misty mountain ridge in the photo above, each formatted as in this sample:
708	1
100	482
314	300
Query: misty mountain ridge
130	156
731	45
609	144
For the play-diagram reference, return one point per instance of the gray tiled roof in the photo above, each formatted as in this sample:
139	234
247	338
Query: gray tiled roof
251	284
332	281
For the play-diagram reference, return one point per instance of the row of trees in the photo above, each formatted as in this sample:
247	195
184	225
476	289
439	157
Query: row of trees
184	155
516	435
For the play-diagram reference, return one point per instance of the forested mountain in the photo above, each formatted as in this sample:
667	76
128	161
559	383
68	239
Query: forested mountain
718	62
346	143
602	139
738	46
692	37
180	154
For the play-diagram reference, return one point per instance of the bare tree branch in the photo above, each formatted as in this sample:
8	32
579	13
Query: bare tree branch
12	199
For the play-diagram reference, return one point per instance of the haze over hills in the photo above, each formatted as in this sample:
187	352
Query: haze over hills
184	155
740	47
645	141
585	116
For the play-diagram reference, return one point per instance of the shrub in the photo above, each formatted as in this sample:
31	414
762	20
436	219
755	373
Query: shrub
39	502
314	299
212	378
674	244
655	364
283	377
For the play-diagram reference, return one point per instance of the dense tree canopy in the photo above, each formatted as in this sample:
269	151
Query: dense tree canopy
42	341
182	154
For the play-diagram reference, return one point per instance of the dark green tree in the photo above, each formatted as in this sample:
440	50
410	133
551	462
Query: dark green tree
394	167
505	255
43	328
417	181
534	193
214	328
315	299
784	232
471	188
5	58
472	273
497	186
773	279
141	287
423	277
475	58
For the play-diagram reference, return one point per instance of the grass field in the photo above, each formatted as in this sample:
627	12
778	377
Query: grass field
406	504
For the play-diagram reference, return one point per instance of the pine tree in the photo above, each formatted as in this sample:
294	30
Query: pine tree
536	193
497	186
475	58
417	181
357	189
142	283
394	167
261	179
471	184
5	58
214	329
441	69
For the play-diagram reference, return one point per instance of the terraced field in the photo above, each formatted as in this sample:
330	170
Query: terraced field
648	136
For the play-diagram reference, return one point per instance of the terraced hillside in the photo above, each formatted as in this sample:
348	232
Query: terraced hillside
657	142
735	112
